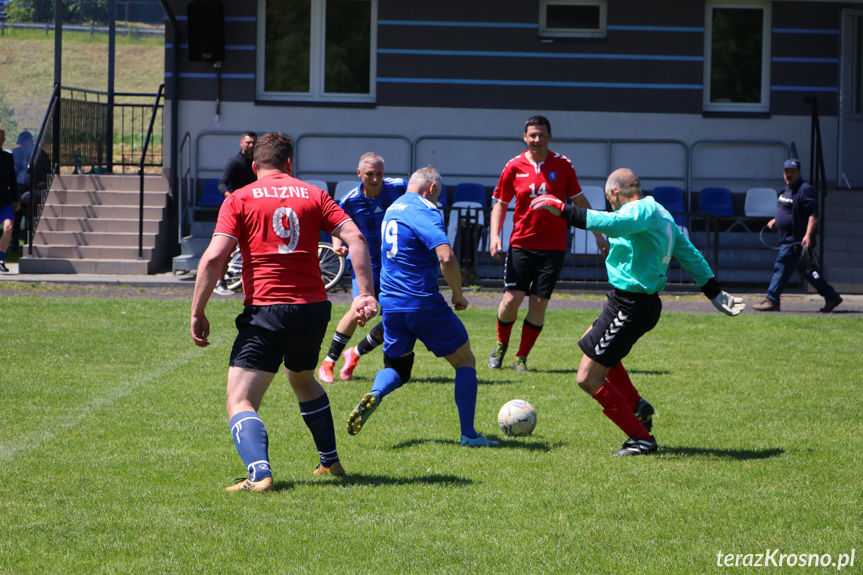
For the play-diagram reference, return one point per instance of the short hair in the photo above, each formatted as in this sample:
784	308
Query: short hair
625	181
273	150
370	158
249	134
421	179
537	121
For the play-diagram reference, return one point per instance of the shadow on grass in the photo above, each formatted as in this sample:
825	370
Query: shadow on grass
737	454
526	444
354	479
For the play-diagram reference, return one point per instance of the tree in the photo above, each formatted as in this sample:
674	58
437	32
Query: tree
74	11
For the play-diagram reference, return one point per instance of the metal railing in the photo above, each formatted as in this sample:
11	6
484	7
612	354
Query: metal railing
41	167
141	166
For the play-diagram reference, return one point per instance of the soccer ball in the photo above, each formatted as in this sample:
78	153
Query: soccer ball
517	418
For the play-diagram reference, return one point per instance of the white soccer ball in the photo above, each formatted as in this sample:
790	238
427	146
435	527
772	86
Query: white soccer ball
517	418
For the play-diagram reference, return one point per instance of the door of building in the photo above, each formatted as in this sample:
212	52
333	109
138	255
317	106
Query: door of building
851	101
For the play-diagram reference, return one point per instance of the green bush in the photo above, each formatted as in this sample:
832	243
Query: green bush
74	11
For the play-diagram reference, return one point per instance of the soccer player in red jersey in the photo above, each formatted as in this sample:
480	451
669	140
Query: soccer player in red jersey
277	221
538	242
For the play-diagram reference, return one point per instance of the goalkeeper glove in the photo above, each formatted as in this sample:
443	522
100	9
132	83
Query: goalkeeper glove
547	202
728	304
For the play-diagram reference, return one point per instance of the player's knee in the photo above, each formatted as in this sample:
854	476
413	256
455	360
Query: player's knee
377	333
402	365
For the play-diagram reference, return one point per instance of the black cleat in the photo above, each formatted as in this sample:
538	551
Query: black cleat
495	360
644	412
635	446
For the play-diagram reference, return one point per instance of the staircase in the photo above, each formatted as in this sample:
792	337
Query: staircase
192	247
89	225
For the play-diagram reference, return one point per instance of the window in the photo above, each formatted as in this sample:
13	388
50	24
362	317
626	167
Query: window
737	58
572	18
317	50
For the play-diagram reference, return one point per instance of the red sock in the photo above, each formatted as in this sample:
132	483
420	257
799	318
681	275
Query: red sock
529	333
618	377
504	331
616	409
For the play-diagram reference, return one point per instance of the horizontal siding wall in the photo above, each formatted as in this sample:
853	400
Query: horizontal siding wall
488	54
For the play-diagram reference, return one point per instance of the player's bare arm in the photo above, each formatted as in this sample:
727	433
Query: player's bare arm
495	245
209	272
364	305
452	275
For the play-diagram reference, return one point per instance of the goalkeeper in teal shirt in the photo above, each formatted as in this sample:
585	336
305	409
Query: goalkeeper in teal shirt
643	238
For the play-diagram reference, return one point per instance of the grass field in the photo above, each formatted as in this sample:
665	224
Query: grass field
114	452
27	69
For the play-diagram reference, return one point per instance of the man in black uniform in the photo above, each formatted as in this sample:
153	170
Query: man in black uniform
8	199
237	174
796	221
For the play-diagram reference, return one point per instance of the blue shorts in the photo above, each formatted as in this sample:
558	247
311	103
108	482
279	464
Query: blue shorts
7	213
439	329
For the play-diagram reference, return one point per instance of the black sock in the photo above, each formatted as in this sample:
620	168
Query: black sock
319	419
340	340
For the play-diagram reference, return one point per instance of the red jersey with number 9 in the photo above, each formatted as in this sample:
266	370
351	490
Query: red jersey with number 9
277	221
537	229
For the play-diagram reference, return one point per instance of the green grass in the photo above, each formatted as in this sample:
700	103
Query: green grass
27	69
114	452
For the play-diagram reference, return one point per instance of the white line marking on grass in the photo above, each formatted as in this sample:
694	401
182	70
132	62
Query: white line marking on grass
48	431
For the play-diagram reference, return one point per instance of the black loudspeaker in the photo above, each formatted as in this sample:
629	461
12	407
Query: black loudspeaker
206	31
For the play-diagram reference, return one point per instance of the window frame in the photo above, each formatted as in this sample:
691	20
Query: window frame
317	60
600	32
766	41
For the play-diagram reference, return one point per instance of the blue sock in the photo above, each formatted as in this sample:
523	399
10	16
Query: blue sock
387	381
319	419
465	399
2	256
250	439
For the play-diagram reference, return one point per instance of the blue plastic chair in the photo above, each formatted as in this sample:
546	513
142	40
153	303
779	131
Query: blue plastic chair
211	197
716	202
671	198
470	192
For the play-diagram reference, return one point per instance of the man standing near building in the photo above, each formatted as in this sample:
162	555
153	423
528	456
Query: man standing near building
644	238
8	199
415	247
277	221
366	205
237	174
796	221
538	242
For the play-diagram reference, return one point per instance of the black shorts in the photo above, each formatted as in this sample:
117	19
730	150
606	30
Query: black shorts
532	271
271	334
625	317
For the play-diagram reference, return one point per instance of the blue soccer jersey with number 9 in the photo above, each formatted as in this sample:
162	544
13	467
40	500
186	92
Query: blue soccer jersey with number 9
411	230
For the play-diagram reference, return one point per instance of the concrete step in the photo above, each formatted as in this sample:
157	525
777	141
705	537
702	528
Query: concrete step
185	262
105	239
110	212
76	252
107	198
203	229
54	224
194	245
35	265
114	182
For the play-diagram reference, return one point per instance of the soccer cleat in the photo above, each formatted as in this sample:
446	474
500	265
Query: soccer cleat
222	289
335	469
644	412
478	441
364	409
246	484
325	372
768	305
521	364
352	358
635	446
828	306
495	360
4	269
